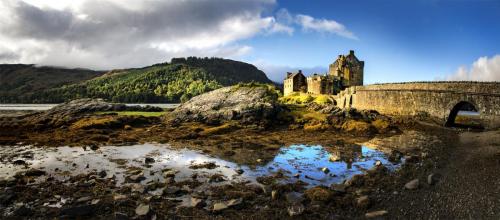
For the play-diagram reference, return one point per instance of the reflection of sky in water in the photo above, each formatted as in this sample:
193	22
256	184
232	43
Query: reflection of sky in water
307	161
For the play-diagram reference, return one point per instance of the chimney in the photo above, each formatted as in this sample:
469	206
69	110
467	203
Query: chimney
288	74
351	52
300	71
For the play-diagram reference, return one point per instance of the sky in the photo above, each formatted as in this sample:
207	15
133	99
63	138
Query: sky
420	40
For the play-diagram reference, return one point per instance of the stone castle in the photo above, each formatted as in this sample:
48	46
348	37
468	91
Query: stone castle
346	71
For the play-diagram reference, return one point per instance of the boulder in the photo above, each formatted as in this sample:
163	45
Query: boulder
248	103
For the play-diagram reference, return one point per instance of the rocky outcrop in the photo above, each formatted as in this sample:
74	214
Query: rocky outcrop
71	111
249	103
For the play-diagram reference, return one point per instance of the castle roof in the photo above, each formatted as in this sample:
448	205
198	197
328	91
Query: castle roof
291	75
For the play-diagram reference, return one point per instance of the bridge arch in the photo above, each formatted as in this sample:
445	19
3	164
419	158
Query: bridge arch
463	105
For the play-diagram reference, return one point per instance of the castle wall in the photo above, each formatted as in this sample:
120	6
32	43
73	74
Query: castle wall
295	84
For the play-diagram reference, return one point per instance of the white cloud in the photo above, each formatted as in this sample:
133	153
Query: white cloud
483	69
105	34
309	23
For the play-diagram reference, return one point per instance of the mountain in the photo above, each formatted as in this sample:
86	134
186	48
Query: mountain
176	81
18	82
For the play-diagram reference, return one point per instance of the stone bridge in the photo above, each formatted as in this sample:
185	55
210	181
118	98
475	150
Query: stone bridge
440	100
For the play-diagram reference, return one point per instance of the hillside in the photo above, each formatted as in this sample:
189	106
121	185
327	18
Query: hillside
18	82
176	81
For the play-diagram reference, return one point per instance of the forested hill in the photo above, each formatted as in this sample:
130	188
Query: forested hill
23	80
176	81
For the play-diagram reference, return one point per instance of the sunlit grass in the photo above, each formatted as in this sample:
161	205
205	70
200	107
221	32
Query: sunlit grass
303	98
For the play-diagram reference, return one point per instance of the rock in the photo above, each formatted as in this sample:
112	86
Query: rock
358	127
23	211
411	159
216	178
395	156
63	114
136	187
127	127
378	163
297	175
412	184
325	170
149	160
341	188
318	193
83	199
294	197
102	174
219	206
376	214
295	210
137	178
433	178
121	216
206	165
117	197
259	160
334	158
234	202
363	202
142	209
196	202
274	194
250	103
84	210
19	162
6	197
35	172
169	173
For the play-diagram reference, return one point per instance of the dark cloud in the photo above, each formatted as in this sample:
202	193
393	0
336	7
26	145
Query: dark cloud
139	30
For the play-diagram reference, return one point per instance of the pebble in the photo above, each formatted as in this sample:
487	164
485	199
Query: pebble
376	214
363	202
325	170
149	160
433	178
119	197
274	194
219	206
142	209
295	210
412	184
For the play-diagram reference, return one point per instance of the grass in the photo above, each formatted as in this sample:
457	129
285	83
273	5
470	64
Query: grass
304	98
130	113
86	123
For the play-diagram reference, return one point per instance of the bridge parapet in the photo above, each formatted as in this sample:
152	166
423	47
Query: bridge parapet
437	99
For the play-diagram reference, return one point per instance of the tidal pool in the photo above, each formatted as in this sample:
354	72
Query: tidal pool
315	165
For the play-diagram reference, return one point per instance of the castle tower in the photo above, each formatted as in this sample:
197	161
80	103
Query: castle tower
348	69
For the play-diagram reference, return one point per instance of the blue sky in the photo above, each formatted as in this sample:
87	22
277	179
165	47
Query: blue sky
399	40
